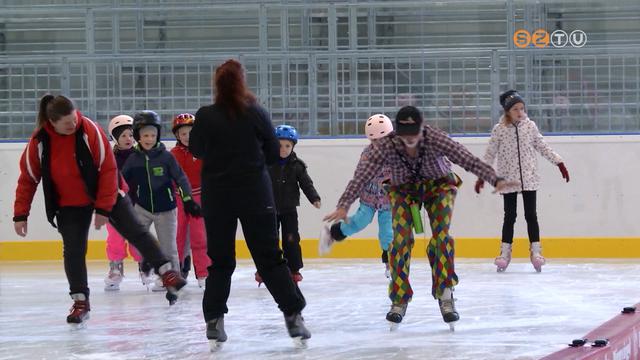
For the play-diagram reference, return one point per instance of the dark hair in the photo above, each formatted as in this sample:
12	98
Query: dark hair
231	88
53	108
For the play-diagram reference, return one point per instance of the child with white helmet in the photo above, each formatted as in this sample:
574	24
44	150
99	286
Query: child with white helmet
373	197
121	131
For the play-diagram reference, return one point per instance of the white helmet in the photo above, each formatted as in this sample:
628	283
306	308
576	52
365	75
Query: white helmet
378	126
120	120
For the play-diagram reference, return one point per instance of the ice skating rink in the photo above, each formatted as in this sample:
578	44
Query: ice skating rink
519	314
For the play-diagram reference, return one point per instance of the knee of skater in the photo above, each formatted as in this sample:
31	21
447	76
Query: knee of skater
292	238
510	218
531	217
223	262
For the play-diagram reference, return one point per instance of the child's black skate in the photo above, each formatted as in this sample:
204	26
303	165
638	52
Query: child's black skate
216	334
297	330
79	312
396	314
448	308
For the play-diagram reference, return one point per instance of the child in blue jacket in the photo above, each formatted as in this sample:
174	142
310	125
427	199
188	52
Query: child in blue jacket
150	172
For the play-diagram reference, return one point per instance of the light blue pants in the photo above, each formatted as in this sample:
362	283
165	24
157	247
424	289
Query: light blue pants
364	217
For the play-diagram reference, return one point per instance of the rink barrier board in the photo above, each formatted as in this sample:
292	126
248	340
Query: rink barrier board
619	339
624	247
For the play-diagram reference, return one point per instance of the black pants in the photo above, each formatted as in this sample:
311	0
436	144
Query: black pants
73	225
261	236
288	224
530	215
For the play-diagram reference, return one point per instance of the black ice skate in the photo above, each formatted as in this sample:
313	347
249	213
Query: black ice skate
396	314
79	312
216	334
448	308
297	330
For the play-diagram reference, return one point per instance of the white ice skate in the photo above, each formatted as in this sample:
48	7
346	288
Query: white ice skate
387	271
537	260
504	259
448	308
157	285
114	278
326	241
202	282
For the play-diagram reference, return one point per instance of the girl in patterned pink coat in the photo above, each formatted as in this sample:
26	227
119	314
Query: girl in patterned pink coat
515	141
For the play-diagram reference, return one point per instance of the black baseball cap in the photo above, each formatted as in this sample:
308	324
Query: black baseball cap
408	121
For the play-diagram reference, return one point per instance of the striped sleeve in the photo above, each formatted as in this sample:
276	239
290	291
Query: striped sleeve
28	179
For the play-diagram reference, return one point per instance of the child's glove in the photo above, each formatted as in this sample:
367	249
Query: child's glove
563	171
479	185
192	208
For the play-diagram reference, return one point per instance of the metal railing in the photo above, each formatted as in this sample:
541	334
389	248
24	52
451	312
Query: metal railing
322	67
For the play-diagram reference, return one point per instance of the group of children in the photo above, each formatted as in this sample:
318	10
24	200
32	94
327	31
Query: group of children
157	178
406	166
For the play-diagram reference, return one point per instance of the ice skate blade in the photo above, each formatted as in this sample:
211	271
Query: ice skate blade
452	326
299	342
393	326
79	326
215	345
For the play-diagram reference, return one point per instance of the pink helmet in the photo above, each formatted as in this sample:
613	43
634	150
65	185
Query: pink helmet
378	126
120	120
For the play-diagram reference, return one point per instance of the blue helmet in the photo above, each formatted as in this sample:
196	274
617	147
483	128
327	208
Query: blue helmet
287	132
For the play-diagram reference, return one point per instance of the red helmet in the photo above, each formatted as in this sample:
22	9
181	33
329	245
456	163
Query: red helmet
181	120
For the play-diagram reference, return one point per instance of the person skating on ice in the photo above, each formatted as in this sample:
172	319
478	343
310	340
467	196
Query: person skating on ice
69	153
420	158
288	176
190	225
516	142
373	198
121	131
234	137
151	172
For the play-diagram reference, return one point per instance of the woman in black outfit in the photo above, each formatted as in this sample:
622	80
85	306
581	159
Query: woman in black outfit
236	141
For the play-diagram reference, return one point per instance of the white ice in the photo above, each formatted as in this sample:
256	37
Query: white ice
519	314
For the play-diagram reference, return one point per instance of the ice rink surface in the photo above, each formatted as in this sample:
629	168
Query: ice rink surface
518	314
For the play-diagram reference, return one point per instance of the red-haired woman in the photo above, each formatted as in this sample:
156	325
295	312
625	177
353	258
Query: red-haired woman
83	161
236	141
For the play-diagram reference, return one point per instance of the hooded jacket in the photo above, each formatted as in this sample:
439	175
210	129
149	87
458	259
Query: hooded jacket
516	146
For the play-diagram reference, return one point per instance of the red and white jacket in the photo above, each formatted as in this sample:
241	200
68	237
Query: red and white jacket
85	170
191	166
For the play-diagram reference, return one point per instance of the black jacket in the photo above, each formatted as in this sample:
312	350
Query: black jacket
287	181
235	154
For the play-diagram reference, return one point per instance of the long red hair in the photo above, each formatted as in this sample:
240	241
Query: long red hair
232	92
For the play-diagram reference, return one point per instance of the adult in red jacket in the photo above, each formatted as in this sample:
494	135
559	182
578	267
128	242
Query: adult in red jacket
83	161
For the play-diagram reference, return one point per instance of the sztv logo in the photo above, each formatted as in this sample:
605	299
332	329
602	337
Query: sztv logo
541	38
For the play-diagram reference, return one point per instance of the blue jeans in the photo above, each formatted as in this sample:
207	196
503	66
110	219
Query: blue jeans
363	217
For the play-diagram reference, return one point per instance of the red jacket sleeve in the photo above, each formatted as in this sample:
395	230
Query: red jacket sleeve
28	180
107	169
